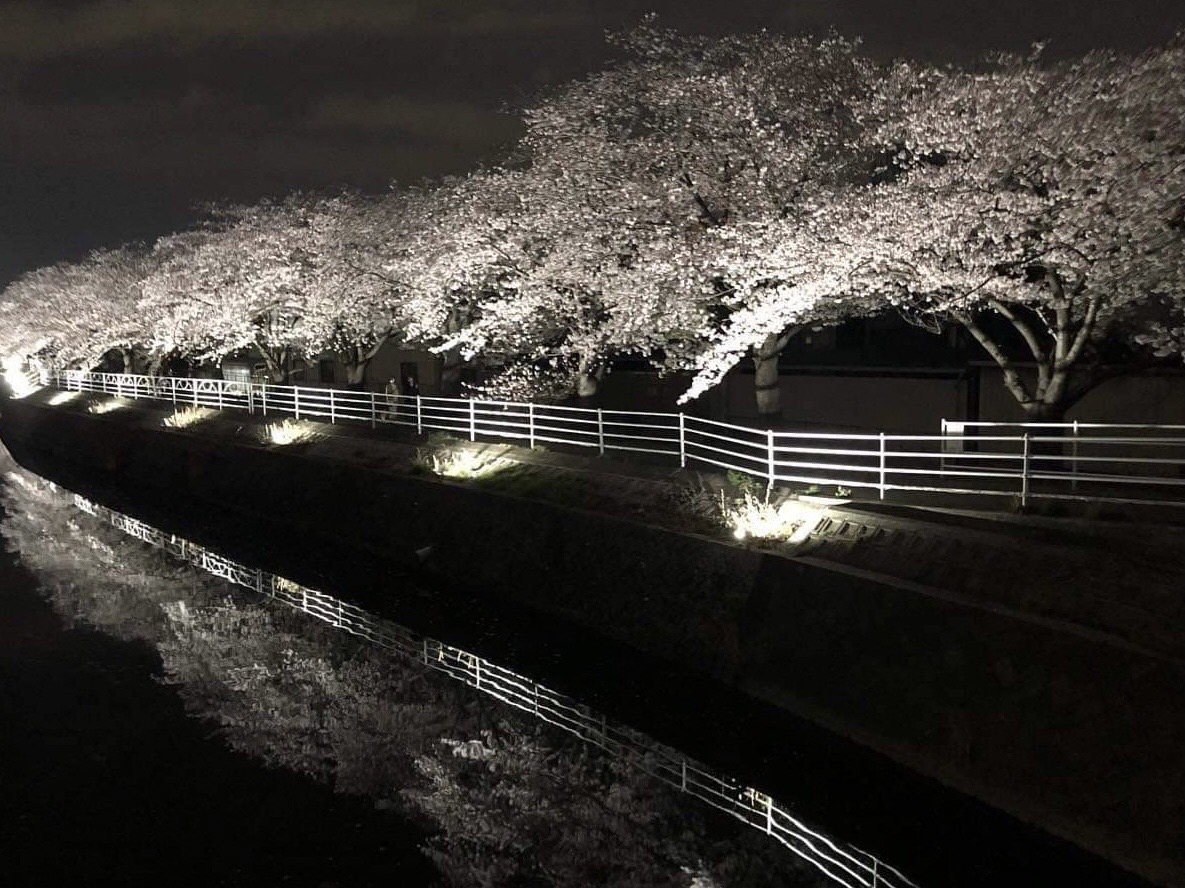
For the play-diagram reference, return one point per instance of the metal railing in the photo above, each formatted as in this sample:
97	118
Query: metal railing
844	864
1097	462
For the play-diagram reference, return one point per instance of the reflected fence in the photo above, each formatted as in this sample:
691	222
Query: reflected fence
1084	461
842	863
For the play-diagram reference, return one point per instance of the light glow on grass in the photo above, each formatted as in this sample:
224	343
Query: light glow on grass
63	398
289	431
101	407
790	520
19	382
463	465
188	416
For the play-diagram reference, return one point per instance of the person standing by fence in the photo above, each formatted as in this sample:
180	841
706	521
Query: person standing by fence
392	392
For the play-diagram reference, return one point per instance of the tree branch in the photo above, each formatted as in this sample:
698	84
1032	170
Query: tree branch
1085	332
1012	378
1030	337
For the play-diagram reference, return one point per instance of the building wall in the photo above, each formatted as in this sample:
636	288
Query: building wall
386	364
900	402
1155	398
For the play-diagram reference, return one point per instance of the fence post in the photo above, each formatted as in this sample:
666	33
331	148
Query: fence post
600	432
263	396
682	444
195	392
531	423
1024	472
296	401
1074	458
332	418
221	389
250	396
173	386
769	815
769	446
882	484
373	411
472	420
419	417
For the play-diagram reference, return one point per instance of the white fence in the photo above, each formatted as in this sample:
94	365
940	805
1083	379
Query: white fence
1140	464
842	863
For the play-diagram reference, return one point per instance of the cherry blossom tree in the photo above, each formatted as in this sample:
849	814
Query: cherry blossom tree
73	313
1041	207
236	283
693	137
515	270
353	289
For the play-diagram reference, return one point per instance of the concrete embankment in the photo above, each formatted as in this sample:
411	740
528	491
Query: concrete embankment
1065	729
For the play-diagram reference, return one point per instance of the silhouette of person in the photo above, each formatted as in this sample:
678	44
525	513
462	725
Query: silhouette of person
392	392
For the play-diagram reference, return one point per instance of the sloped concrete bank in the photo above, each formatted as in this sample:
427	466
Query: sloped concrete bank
1071	732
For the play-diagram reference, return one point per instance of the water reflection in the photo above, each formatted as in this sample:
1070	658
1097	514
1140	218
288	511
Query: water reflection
569	799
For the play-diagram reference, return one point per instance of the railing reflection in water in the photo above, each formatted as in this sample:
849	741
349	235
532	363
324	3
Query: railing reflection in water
844	864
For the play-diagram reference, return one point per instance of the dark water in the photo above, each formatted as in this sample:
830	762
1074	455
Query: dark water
93	685
105	779
104	743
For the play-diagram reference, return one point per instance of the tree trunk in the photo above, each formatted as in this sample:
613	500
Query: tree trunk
356	373
588	378
1043	411
766	386
450	373
155	363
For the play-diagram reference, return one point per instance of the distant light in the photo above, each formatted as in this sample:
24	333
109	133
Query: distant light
289	431
462	464
108	406
187	416
62	398
18	381
790	520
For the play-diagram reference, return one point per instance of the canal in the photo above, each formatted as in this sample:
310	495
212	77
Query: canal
100	734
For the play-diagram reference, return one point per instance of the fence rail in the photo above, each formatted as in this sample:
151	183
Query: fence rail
844	864
1088	461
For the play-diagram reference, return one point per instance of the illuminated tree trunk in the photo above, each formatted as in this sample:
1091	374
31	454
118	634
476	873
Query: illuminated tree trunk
278	364
450	372
356	359
1060	344
766	385
588	377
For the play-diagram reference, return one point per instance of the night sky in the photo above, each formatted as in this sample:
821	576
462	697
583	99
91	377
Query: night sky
118	117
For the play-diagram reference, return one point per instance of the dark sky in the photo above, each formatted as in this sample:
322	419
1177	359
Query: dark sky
117	117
